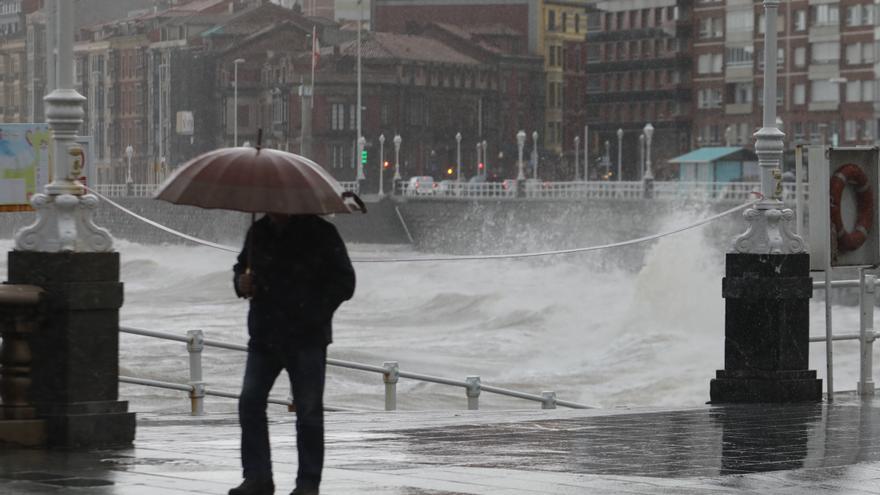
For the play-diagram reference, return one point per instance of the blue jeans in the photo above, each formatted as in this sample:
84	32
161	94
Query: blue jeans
306	369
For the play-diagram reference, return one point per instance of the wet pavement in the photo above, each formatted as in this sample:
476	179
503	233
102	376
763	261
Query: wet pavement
779	449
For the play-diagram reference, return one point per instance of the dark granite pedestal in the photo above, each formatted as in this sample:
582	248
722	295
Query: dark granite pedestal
75	366
766	330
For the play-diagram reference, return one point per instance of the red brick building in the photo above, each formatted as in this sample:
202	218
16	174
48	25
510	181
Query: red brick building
426	88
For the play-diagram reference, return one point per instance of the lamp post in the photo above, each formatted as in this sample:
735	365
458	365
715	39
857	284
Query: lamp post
397	141
163	68
235	100
577	150
607	157
129	151
381	165
649	134
586	153
458	156
479	149
485	161
767	282
520	142
362	142
642	153
535	154
619	154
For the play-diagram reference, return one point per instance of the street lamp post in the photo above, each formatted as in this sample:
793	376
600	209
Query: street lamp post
535	154
767	282
642	153
479	149
361	144
520	142
129	151
458	156
163	69
485	161
577	150
397	141
648	179
361	140
235	100
381	165
619	154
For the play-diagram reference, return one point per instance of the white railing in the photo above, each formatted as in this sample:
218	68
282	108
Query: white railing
390	371
625	190
867	285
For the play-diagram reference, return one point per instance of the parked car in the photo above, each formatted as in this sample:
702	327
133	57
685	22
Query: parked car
419	185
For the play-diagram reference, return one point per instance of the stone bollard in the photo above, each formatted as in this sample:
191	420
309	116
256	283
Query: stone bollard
19	317
75	366
766	331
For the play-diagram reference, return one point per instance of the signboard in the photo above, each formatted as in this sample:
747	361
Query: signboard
844	207
24	163
185	123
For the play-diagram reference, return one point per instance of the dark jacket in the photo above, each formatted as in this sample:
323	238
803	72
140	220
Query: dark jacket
302	273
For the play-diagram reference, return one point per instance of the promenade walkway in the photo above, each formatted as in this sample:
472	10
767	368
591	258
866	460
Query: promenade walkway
762	449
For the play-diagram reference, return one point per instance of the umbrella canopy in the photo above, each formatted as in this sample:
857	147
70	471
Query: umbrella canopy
258	180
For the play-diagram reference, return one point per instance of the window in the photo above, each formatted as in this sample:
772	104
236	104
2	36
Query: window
824	15
742	21
704	64
352	116
741	92
551	20
824	91
800	56
740	57
711	27
825	52
853	91
564	23
854	53
337	155
800	20
860	15
577	23
709	98
800	94
849	127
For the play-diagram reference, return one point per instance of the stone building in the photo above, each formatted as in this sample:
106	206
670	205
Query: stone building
639	67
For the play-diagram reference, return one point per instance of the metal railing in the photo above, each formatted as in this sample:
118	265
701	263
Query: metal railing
390	371
867	285
149	190
625	190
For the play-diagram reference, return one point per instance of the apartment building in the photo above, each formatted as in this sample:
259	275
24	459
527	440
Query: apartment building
639	65
825	61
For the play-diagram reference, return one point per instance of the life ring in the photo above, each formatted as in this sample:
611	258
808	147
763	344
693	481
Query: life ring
853	175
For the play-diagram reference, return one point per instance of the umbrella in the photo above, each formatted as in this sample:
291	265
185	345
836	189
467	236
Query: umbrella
258	180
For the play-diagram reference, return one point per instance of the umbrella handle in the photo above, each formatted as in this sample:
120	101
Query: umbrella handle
357	199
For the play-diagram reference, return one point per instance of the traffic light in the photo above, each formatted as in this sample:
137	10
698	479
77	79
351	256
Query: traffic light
364	157
449	171
386	164
480	166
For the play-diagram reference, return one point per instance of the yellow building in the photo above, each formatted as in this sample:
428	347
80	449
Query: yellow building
562	22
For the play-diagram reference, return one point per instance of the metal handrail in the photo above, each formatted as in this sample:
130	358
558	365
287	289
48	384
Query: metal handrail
390	371
217	393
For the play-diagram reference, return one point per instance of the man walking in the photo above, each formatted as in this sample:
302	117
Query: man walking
296	271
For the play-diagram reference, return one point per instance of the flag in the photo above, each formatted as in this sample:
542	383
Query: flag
316	55
316	49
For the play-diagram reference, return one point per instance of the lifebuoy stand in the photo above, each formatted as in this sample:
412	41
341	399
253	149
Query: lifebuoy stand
844	218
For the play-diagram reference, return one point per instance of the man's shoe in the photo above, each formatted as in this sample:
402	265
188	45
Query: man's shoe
254	487
304	491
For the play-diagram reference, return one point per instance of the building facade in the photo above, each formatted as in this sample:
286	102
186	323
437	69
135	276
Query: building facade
826	77
639	68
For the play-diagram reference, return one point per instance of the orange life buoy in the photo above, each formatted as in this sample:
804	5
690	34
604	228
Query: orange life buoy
855	176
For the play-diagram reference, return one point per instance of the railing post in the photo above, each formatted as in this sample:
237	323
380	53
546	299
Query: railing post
195	343
866	333
391	377
549	400
473	392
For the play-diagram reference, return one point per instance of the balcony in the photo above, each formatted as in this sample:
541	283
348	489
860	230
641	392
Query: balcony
741	72
738	108
824	106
